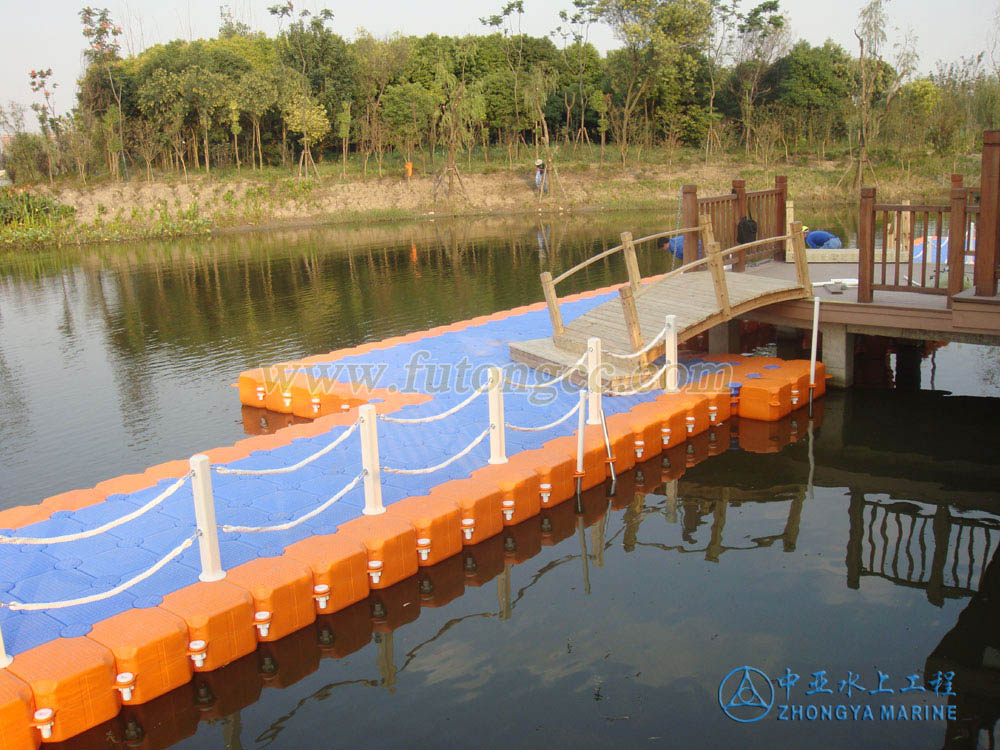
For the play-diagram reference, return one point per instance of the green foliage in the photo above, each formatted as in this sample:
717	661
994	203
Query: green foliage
19	207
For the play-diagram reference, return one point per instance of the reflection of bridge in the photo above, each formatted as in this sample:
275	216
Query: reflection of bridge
938	551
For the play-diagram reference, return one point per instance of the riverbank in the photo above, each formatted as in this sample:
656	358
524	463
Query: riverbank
171	205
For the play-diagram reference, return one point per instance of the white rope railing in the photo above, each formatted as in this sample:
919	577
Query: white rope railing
421	420
100	529
548	383
643	387
35	606
548	426
301	519
293	467
443	464
645	350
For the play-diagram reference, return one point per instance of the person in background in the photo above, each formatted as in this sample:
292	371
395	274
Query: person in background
541	179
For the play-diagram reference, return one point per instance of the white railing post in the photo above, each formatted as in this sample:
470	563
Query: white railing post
204	513
5	658
670	353
594	380
815	337
370	460
580	425
498	435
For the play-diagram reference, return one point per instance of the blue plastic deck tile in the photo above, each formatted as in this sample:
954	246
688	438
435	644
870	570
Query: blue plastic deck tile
25	630
293	502
236	553
241	488
150	524
173	577
87	614
53	585
126	562
17	565
58	524
243	517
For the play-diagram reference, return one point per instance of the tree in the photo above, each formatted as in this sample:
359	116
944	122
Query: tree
258	92
308	118
205	91
874	94
344	133
761	37
653	34
104	50
580	59
508	23
162	101
145	138
409	110
47	119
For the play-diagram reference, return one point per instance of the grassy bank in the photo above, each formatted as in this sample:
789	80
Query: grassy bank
172	205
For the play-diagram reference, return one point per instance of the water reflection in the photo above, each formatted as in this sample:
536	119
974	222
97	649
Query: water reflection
418	646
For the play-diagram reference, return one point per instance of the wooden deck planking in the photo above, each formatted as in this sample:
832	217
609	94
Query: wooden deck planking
691	297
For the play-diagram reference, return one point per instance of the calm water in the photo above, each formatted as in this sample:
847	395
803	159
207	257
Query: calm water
610	620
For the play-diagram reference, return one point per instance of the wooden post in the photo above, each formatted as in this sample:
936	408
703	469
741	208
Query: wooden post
790	218
631	317
714	252
689	219
781	220
956	240
905	228
956	181
740	188
988	229
866	244
631	264
798	241
552	302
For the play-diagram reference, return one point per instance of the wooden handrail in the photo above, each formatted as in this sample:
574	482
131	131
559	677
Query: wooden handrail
912	208
593	259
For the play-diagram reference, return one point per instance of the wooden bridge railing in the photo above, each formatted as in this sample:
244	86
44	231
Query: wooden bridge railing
627	248
973	216
766	207
715	261
896	228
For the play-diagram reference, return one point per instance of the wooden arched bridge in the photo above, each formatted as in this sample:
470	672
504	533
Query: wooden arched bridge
632	322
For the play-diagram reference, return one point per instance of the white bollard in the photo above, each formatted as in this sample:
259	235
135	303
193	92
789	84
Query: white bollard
370	460
815	338
594	364
5	658
204	513
498	433
670	353
581	423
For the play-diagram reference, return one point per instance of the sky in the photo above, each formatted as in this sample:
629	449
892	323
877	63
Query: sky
46	33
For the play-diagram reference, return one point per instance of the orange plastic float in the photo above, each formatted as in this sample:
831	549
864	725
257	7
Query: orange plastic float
438	524
339	566
391	544
282	591
16	710
555	466
219	618
72	682
150	648
480	505
518	485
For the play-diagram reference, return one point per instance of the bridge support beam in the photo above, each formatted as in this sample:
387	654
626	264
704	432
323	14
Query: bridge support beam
838	353
724	338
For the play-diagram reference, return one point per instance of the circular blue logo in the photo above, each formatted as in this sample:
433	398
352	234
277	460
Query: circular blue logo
746	695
